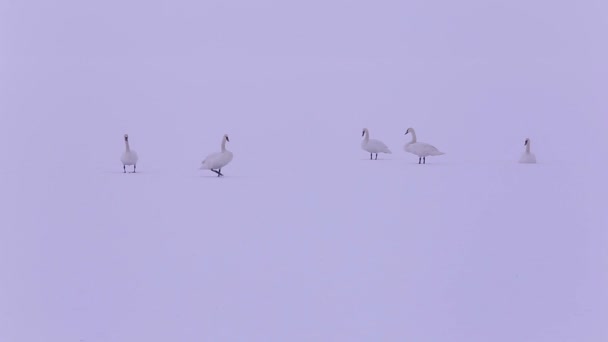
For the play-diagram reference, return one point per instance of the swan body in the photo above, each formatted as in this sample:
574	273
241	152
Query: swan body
422	150
527	157
216	161
373	145
129	157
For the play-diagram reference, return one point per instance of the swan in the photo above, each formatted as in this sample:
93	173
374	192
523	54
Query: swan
527	157
422	150
373	145
219	159
129	157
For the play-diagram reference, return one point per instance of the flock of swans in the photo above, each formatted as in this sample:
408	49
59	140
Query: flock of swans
216	161
423	150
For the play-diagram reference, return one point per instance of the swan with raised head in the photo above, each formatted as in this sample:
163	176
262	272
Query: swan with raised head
373	145
129	157
527	157
216	161
422	150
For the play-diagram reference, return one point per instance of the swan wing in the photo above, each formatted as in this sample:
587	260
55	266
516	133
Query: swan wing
217	160
422	149
129	157
431	150
210	161
376	146
527	158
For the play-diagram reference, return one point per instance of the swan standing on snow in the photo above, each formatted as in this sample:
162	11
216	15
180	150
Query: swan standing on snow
129	157
373	145
527	157
219	159
422	150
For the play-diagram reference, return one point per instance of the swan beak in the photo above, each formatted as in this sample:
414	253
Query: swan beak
227	139
363	133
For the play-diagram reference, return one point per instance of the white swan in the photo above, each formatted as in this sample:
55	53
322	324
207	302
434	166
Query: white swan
422	150
373	145
129	157
219	159
527	157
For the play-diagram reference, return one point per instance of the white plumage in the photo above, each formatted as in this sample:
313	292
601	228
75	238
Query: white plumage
216	161
527	157
129	157
422	150
373	145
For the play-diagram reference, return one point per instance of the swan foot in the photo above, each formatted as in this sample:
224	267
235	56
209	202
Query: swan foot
218	172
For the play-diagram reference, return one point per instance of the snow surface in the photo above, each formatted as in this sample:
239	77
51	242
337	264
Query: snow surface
305	238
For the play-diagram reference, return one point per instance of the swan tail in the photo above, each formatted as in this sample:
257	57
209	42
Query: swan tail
435	152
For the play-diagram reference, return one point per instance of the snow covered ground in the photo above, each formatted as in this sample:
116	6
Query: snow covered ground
305	238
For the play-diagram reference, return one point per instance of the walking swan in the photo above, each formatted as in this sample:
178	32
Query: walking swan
219	159
129	157
373	145
422	150
527	157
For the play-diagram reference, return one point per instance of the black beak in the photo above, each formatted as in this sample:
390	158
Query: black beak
228	140
363	133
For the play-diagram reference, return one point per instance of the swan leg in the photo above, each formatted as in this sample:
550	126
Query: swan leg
134	167
376	156
419	160
124	169
217	172
423	160
370	156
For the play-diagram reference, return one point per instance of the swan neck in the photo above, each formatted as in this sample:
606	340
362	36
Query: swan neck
366	136
128	148
413	136
224	145
528	147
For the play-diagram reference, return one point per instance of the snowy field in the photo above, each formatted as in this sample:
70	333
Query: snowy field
305	238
